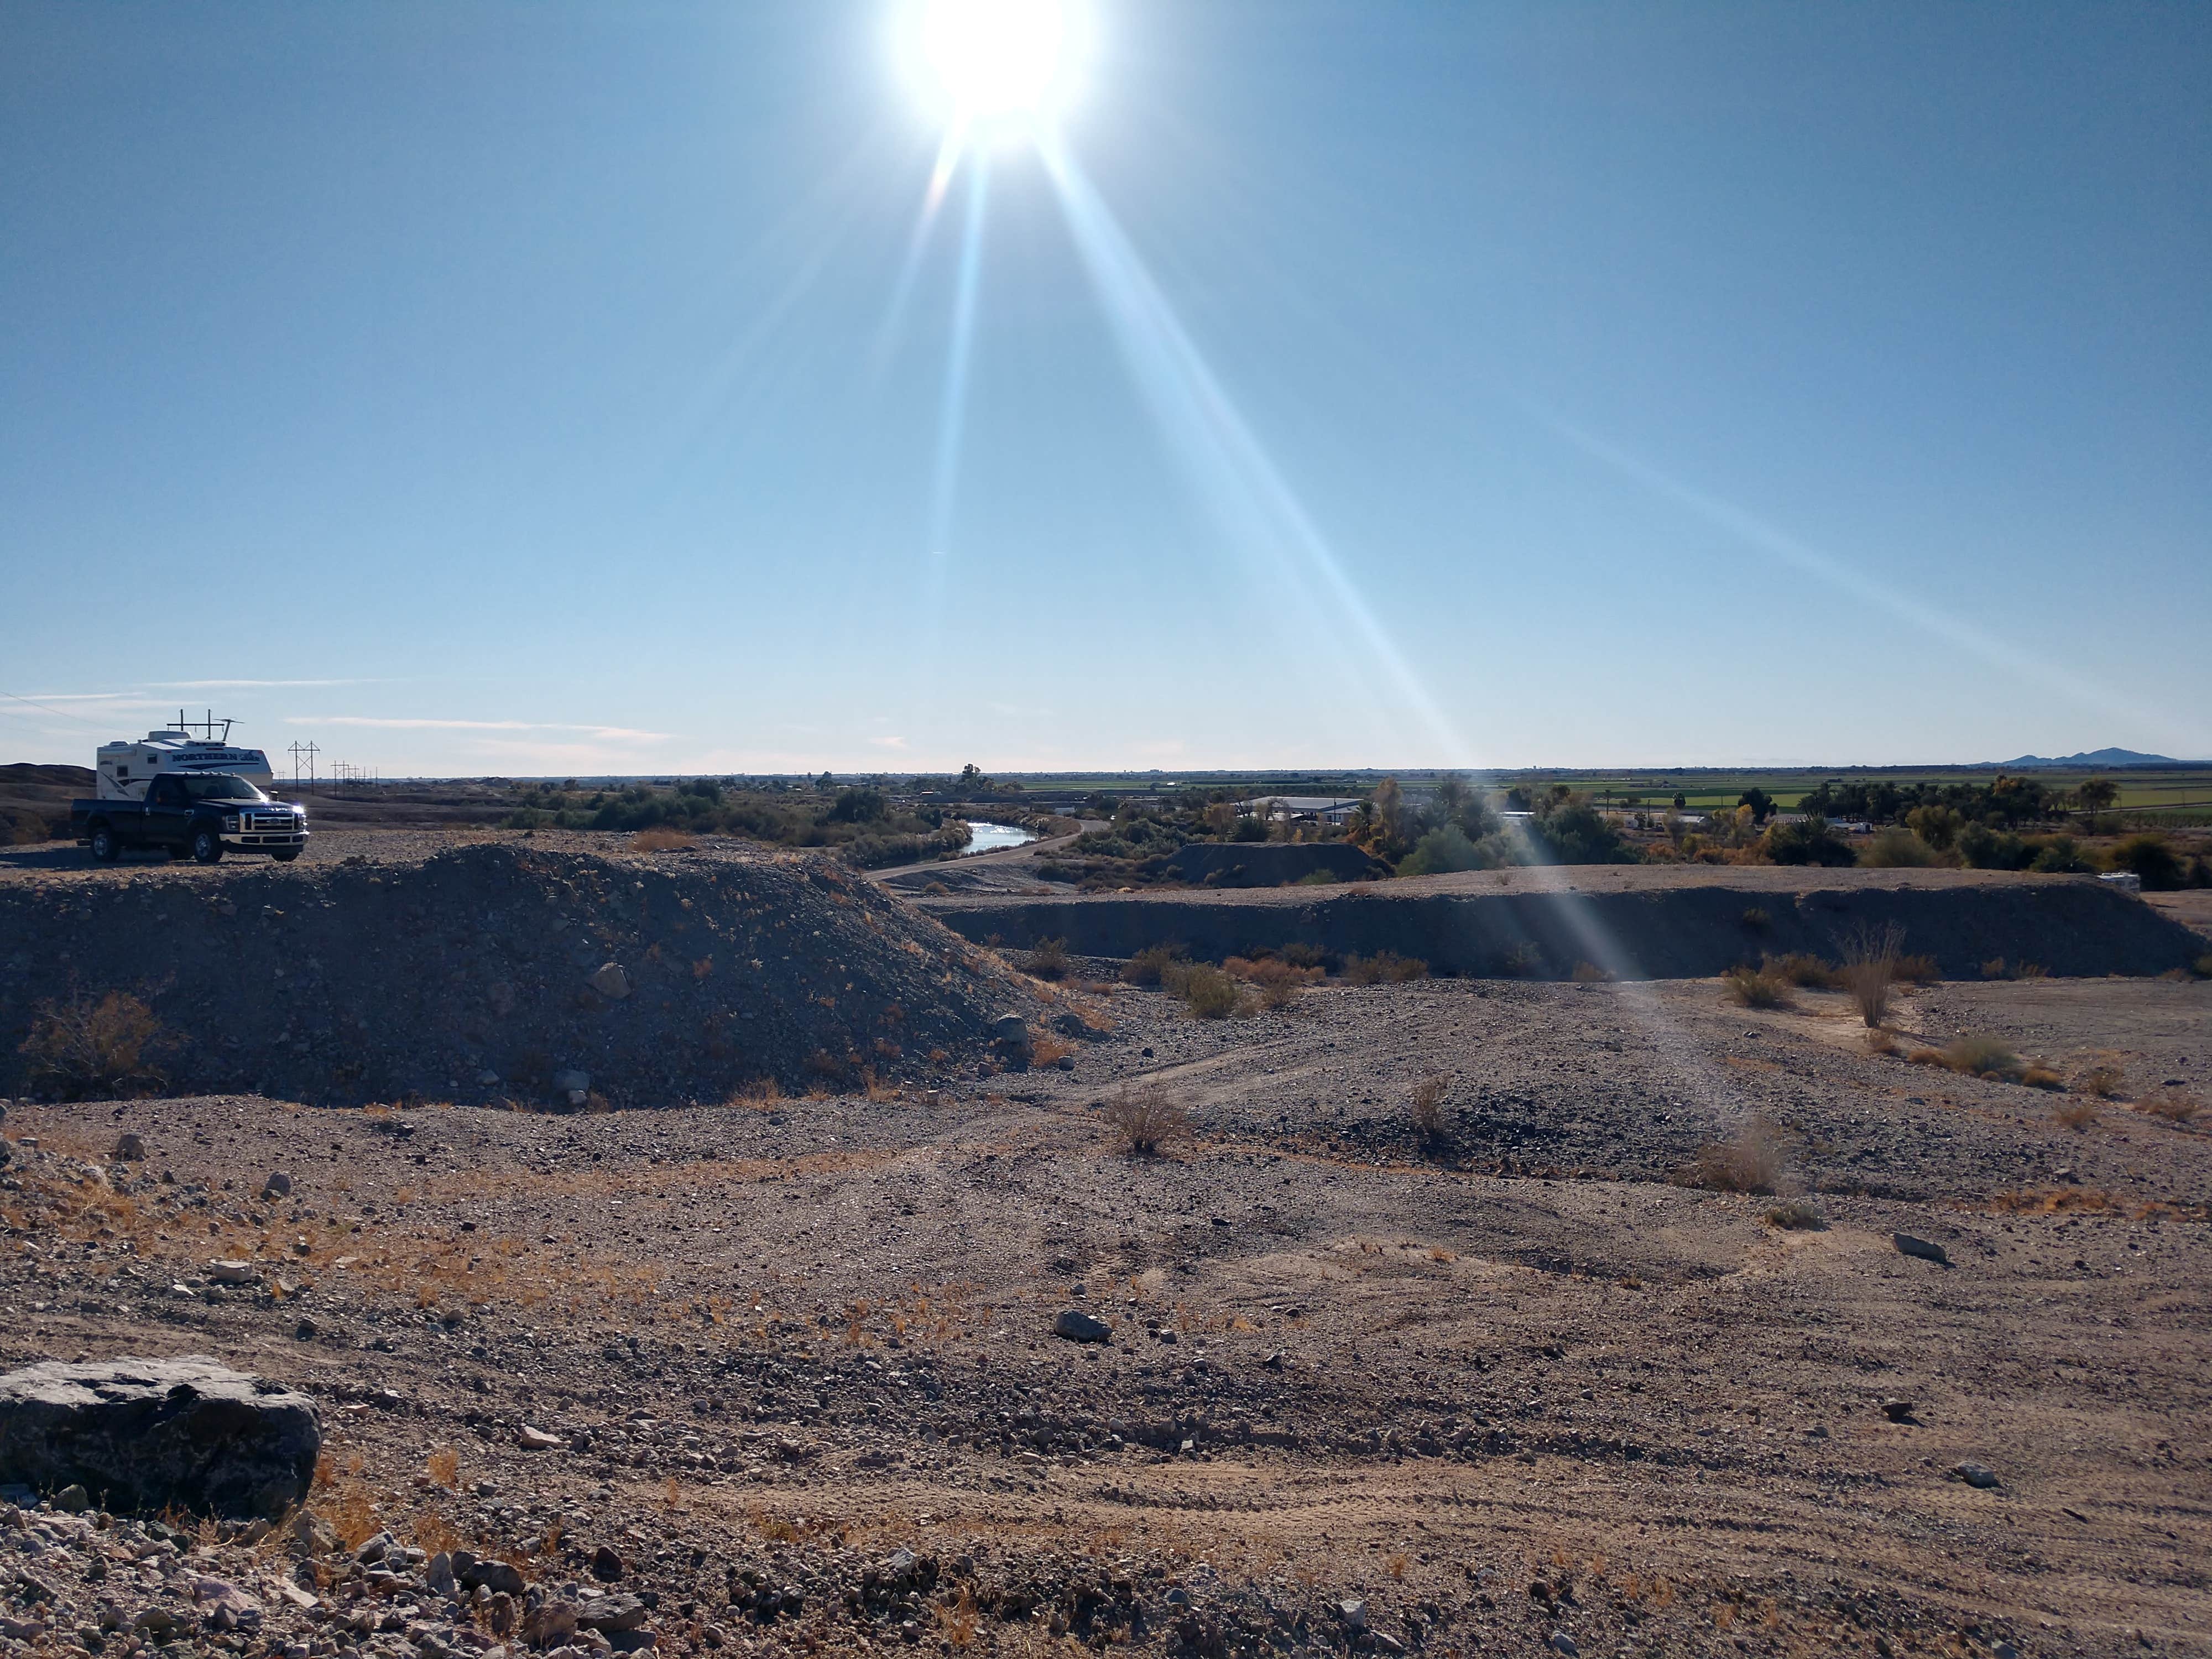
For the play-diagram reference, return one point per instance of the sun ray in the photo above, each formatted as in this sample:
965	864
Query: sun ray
952	411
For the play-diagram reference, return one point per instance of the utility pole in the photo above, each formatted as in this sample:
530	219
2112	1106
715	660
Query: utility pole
299	749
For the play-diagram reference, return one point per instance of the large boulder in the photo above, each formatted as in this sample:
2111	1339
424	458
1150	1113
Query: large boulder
157	1434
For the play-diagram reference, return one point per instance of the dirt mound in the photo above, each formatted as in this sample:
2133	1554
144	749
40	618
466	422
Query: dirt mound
486	972
1636	924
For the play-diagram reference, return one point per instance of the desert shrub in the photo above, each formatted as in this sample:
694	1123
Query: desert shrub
1750	1163
1975	1056
1798	1215
1145	1119
2102	1081
2058	855
1523	961
1589	973
1312	956
1757	920
2172	1105
2150	859
1277	981
1383	968
2202	966
1917	971
2035	1076
1801	967
1424	1106
2031	970
1898	849
1049	959
2076	1114
1984	848
84	1049
1880	1040
1994	967
1754	987
661	839
1148	966
1208	993
1869	970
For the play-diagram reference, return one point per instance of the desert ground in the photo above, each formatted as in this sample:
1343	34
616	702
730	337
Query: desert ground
780	1363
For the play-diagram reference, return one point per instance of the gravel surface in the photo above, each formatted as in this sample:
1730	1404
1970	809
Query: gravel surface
791	1365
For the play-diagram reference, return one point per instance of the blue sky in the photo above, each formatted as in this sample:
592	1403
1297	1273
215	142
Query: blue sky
521	388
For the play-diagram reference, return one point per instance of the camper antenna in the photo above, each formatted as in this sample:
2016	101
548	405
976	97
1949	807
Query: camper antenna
205	727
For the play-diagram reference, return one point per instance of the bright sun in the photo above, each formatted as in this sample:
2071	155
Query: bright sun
999	59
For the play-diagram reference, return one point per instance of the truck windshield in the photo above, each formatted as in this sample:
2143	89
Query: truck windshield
220	786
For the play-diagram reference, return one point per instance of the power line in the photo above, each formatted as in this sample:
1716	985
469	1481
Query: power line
60	713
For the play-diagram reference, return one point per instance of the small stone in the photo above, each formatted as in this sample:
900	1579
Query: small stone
1078	1326
1561	1643
1010	1032
611	981
279	1185
73	1498
1896	1411
1908	1245
1353	1613
305	1330
606	1566
496	1577
487	1079
1975	1475
533	1439
131	1149
234	1272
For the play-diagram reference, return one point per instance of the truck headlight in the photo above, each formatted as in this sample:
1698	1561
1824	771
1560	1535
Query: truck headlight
230	822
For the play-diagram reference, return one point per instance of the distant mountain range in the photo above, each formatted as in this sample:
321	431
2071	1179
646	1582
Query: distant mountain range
2090	757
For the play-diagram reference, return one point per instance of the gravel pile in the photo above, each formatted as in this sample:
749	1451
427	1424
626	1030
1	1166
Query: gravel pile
499	972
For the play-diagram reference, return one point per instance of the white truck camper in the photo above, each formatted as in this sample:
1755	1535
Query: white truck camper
125	768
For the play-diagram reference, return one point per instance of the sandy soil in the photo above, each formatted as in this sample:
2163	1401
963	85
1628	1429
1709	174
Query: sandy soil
1517	1390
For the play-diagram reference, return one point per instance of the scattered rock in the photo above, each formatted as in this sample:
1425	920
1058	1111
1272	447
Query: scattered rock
1011	1033
73	1499
1975	1475
533	1439
1354	1614
496	1577
279	1185
131	1149
1078	1326
1909	1245
1561	1643
611	981
1897	1411
234	1272
606	1566
151	1434
608	1613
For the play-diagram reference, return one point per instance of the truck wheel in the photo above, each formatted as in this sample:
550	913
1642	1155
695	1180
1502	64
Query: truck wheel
286	854
206	846
104	847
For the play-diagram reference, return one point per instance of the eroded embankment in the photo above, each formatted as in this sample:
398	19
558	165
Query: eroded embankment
482	973
2069	926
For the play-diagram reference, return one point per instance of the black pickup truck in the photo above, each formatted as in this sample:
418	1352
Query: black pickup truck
206	814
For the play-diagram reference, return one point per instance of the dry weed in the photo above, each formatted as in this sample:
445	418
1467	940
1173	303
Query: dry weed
81	1049
2172	1105
1149	965
2076	1114
1145	1119
1278	981
1048	959
1869	969
660	839
1750	1163
1424	1105
2104	1081
1589	973
1755	988
1974	1055
1383	968
1798	1215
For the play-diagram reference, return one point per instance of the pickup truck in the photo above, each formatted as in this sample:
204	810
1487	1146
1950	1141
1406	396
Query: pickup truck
206	814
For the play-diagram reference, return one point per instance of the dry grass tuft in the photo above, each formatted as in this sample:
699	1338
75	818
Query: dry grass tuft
1278	982
1974	1055
1151	965
1751	1162
1917	971
2076	1114
1798	1215
1589	973
83	1049
2172	1105
661	839
1754	987
1424	1105
1383	968
1869	970
1880	1040
444	1468
2104	1081
1145	1119
1048	960
1802	969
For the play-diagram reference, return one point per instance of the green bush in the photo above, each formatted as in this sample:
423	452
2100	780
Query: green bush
1810	841
1441	851
1899	849
1151	965
1209	993
2152	859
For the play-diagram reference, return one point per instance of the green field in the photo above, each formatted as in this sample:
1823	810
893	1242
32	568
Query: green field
2180	795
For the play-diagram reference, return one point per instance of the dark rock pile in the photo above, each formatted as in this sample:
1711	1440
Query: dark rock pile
495	972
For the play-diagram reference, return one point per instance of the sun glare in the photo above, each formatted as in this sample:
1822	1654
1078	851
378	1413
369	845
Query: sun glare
998	60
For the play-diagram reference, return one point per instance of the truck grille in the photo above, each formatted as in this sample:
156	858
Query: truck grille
257	822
